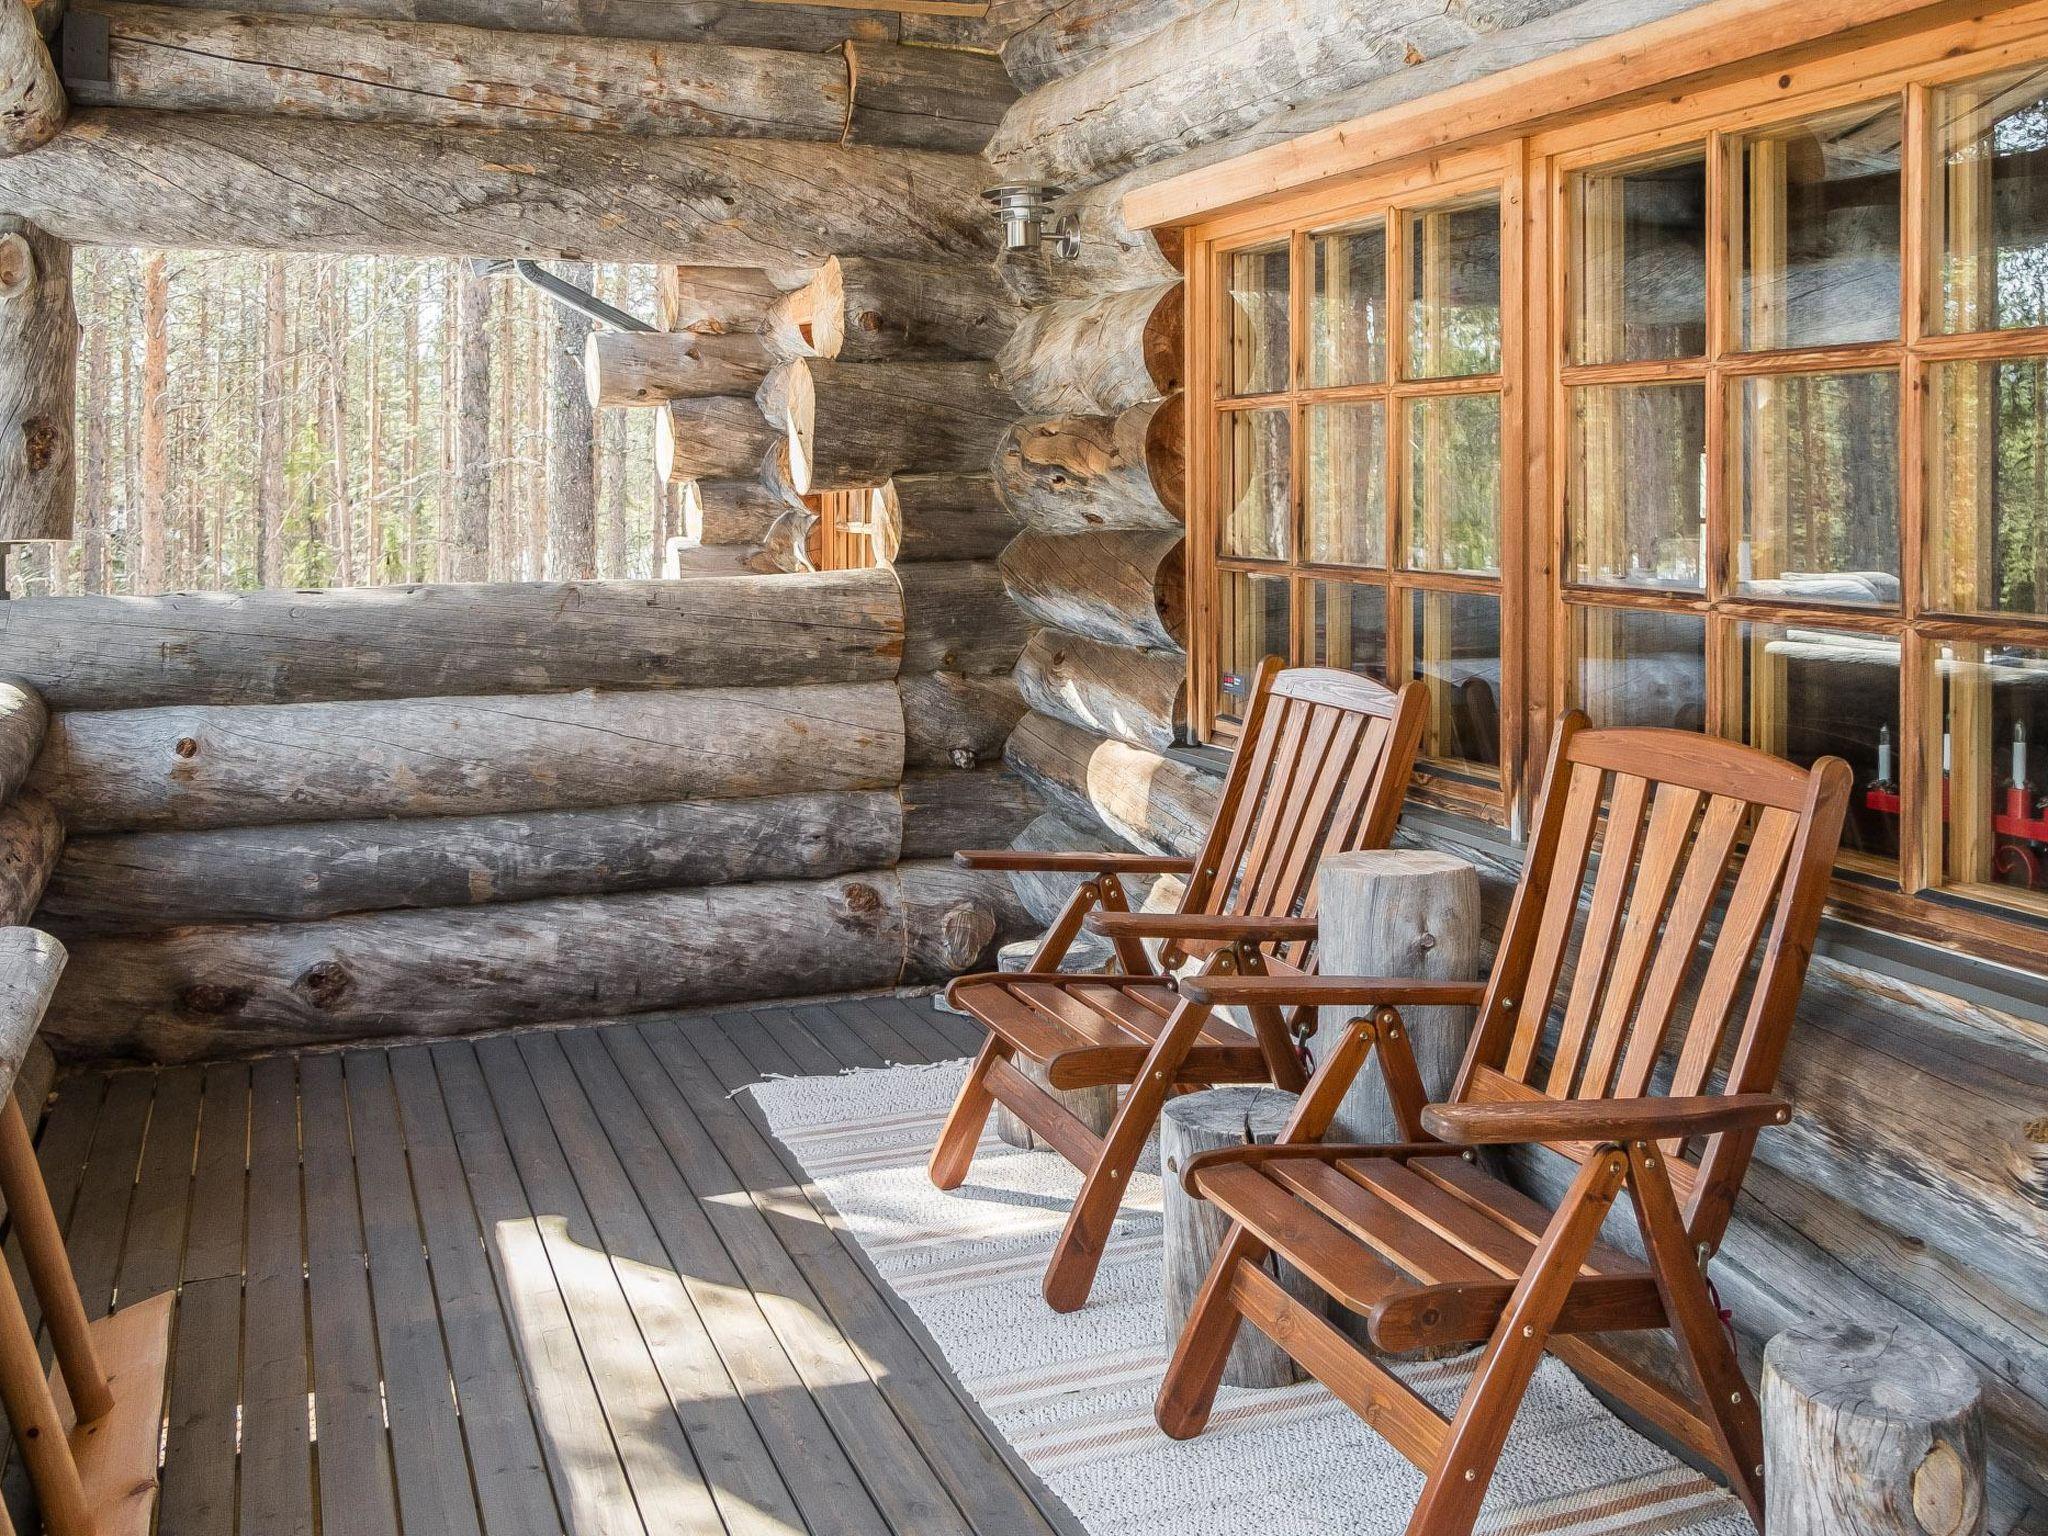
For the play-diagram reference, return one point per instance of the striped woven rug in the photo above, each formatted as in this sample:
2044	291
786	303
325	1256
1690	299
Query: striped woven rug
1074	1394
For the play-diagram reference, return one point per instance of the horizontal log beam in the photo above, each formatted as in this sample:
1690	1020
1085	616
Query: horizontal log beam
32	104
952	721
23	720
1156	804
746	512
716	300
945	810
940	517
98	653
189	767
851	425
31	837
955	919
956	618
1139	696
808	27
649	368
1121	586
720	437
147	882
38	376
1044	895
869	309
164	58
1068	474
1098	355
202	180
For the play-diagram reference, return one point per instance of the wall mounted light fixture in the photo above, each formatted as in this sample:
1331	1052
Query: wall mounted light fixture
1025	207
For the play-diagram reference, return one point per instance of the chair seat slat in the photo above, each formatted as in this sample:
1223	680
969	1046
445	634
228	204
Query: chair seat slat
1610	887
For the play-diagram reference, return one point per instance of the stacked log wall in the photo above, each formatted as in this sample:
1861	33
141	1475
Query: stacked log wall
334	816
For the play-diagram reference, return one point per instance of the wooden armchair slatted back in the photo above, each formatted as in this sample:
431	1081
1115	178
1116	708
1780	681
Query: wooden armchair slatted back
1646	1007
1321	768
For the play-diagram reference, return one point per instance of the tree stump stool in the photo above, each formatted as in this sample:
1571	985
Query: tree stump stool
1096	1106
1871	1432
1201	1122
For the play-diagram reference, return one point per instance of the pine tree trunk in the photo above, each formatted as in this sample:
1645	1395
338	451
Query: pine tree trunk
571	443
154	461
470	546
340	510
409	461
270	431
94	492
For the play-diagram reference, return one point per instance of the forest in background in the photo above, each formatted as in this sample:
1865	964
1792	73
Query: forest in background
314	421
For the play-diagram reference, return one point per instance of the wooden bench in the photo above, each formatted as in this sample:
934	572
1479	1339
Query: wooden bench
88	1431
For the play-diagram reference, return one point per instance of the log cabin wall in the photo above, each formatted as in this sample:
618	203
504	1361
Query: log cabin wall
1910	1186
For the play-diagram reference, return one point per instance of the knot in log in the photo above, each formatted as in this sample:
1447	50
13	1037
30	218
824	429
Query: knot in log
325	984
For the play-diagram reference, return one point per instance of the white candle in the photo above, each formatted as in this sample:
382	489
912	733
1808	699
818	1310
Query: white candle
1884	754
2019	752
1944	754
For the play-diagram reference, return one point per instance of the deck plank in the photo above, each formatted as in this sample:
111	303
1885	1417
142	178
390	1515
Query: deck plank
277	1453
153	1247
358	1491
594	1495
198	1496
916	1028
99	1221
429	1462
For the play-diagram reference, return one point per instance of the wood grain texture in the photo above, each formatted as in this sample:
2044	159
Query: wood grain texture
1070	474
954	919
1155	804
1120	586
1100	355
946	810
940	517
715	437
274	647
956	619
850	425
812	27
38	363
32	104
147	882
733	512
1138	696
30	964
648	368
195	767
23	720
31	838
1058	37
182	179
869	309
954	721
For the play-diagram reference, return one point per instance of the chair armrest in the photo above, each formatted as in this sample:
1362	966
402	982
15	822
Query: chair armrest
1073	863
1332	991
1223	929
1653	1119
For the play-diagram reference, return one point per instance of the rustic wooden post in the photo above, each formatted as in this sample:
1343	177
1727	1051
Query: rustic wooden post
1398	912
1202	1122
1871	1432
32	104
1095	1106
38	383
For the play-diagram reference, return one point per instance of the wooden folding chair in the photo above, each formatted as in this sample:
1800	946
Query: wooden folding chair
88	1433
1430	1249
1322	768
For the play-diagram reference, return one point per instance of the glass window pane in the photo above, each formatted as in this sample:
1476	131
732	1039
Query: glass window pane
1256	337
1819	207
1348	315
1638	484
1987	495
1641	668
1347	483
1258	475
1350	627
1252	625
1991	186
1819	466
1642	244
1994	701
1454	483
1454	290
1810	693
1456	646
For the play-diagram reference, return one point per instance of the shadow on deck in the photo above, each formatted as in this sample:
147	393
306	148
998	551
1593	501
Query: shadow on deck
539	1282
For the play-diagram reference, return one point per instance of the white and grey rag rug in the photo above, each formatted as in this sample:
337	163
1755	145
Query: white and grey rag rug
1073	1394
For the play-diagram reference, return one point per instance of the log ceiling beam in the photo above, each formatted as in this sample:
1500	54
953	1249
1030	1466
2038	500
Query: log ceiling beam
190	180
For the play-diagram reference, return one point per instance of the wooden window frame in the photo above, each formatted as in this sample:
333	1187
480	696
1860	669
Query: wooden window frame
1534	175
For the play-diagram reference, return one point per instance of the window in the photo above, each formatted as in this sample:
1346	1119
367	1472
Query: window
1357	461
1726	413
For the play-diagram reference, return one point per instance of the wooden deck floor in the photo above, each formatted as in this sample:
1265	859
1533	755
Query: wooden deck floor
536	1283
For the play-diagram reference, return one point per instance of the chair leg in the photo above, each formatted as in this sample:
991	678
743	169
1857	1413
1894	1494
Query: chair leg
1071	1274
954	1154
1457	1485
1731	1407
1189	1390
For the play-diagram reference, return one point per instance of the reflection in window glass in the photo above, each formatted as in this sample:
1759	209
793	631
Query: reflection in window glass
1820	488
1810	693
1987	500
1347	315
1638	486
1347	483
1637	667
1454	483
1642	241
1819	205
1456	646
1252	614
1349	628
1991	186
1259	473
1256	323
1454	290
1994	704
